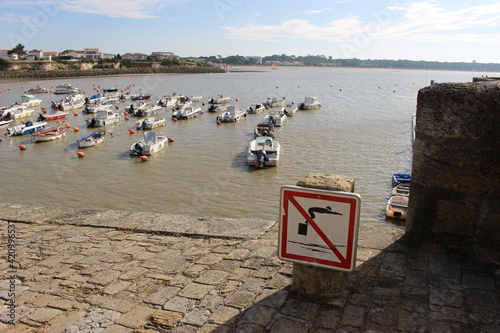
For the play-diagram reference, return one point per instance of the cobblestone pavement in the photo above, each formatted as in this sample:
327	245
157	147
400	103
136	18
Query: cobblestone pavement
84	278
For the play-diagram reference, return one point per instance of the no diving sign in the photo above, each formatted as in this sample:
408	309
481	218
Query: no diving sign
319	227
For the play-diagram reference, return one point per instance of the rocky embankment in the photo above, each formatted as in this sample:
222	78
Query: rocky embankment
42	74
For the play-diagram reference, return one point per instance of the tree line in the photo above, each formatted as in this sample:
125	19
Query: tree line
321	60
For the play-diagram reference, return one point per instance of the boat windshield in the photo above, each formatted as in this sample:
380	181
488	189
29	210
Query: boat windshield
150	137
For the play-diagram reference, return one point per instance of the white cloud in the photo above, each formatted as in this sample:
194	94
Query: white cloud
312	11
137	9
11	18
297	28
423	21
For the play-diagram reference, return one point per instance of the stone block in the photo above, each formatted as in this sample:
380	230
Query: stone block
136	318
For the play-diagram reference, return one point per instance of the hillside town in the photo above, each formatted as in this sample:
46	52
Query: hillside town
18	53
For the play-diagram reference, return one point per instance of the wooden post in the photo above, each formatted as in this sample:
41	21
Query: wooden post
317	283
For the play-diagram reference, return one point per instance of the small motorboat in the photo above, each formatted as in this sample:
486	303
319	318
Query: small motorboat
290	109
232	115
50	134
256	108
263	128
70	102
217	108
91	139
275	102
397	207
401	178
141	97
401	189
150	123
103	117
27	128
277	118
220	99
52	116
30	101
17	111
263	151
309	103
134	106
188	111
147	110
151	144
38	90
195	99
5	122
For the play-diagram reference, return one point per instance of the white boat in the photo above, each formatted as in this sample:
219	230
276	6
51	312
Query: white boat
66	88
182	102
195	99
28	128
150	123
220	99
277	118
134	106
151	144
309	103
147	110
256	108
232	115
49	134
93	108
17	111
263	151
290	109
103	117
187	112
5	122
401	189
217	108
92	139
397	207
167	101
72	101
275	102
30	101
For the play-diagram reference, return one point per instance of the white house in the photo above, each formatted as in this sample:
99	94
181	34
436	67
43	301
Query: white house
135	56
4	55
93	53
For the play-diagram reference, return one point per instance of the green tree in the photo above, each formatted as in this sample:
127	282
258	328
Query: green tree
19	50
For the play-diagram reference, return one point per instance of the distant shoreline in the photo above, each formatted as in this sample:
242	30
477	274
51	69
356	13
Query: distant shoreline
260	68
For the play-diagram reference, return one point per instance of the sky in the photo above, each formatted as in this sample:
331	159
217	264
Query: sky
431	30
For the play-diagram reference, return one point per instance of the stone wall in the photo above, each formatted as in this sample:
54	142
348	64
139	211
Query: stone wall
42	74
455	196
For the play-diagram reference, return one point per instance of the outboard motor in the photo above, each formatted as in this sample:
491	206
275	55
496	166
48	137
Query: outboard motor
262	158
138	149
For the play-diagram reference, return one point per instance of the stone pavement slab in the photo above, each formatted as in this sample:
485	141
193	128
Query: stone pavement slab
93	273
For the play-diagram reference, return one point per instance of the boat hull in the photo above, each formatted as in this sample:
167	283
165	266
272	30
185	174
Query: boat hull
92	139
49	135
397	207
